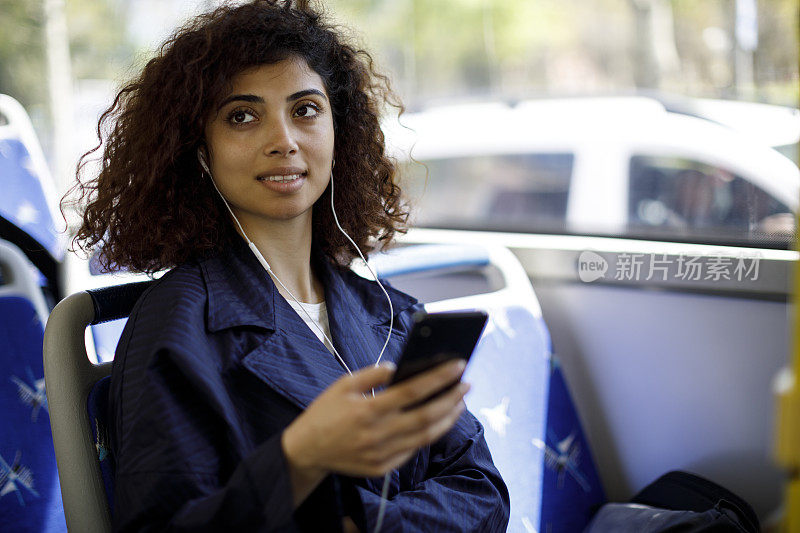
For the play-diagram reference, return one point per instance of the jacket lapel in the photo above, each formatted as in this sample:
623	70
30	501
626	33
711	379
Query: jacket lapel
240	292
296	365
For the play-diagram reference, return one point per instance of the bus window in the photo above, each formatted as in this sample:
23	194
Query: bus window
506	192
688	198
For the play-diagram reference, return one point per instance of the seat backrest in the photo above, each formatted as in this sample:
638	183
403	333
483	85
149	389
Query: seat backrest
29	495
70	378
18	277
518	392
571	488
30	196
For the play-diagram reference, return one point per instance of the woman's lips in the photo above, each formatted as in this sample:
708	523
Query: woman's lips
283	183
281	177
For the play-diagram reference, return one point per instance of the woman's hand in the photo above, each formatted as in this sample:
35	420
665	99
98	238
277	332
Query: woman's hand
345	432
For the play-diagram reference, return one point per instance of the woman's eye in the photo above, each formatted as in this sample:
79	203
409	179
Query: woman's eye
307	111
241	117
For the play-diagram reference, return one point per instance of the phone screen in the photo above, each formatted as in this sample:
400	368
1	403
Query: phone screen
438	337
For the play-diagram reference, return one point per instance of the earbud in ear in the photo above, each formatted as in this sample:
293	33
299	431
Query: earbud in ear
202	158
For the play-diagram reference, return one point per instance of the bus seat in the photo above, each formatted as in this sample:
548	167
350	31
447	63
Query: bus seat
518	391
70	377
30	198
29	495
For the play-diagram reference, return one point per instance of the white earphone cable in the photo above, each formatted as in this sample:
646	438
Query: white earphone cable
385	489
391	308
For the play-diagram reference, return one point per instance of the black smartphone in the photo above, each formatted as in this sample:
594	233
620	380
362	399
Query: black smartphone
436	338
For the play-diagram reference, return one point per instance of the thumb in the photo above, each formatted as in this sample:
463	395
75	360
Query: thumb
371	377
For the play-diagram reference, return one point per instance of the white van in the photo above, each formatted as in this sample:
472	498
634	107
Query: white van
621	166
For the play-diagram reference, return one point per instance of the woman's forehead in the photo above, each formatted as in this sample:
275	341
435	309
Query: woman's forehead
284	77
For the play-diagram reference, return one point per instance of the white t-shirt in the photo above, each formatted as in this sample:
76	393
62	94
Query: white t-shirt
319	314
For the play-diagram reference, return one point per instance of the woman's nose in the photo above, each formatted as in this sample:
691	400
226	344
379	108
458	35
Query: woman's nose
280	138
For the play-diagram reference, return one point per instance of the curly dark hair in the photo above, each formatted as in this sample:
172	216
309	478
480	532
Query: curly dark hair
147	210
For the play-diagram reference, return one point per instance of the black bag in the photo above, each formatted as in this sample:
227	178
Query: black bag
678	502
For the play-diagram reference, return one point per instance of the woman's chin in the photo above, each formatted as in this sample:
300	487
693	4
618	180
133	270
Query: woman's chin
286	213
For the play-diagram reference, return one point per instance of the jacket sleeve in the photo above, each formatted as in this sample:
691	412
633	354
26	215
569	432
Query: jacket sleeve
459	490
173	442
177	501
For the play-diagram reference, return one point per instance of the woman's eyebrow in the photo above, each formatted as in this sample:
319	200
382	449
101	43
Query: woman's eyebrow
305	92
252	98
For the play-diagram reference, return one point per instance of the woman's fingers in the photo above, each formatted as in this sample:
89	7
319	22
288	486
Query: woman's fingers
384	457
342	431
369	378
418	388
426	423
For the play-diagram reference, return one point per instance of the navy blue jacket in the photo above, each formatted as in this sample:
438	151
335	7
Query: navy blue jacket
212	366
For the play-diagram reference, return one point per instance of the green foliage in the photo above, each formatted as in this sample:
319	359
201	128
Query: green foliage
522	47
22	65
98	45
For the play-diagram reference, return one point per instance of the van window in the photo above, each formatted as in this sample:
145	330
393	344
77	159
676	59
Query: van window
504	192
683	198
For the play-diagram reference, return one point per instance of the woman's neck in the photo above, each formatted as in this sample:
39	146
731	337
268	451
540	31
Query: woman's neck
286	245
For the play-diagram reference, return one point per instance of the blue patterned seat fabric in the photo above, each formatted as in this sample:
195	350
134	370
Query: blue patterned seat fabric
572	491
30	495
23	202
531	426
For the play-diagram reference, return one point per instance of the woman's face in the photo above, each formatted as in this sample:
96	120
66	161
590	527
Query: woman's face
270	142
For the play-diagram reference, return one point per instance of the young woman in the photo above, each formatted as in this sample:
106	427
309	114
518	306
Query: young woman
245	392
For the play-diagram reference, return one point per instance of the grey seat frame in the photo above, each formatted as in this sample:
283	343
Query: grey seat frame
69	377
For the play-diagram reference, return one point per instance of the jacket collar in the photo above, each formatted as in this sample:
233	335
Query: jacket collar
241	293
360	298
